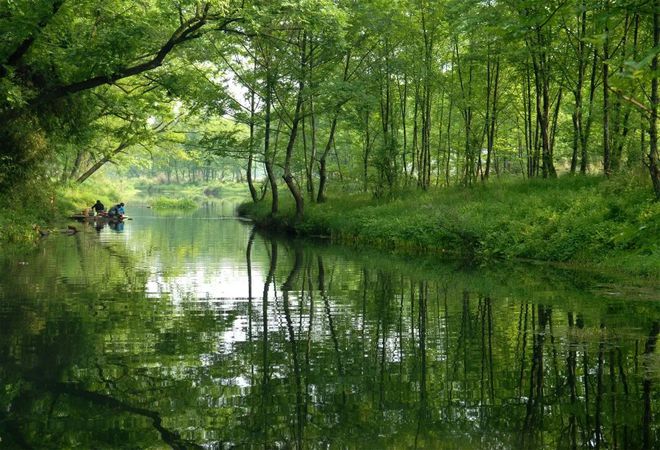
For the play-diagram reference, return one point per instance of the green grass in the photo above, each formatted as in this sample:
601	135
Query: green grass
174	203
215	189
189	196
569	220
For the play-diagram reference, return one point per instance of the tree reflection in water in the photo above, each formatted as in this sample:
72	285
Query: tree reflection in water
338	351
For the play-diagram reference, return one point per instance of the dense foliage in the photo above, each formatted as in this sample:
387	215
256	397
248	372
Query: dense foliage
375	95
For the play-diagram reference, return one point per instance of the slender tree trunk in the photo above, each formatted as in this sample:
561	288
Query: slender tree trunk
268	158
493	119
312	119
250	181
367	151
607	163
323	175
288	176
579	86
527	97
447	164
584	160
403	100
76	164
97	165
425	160
555	119
415	141
654	163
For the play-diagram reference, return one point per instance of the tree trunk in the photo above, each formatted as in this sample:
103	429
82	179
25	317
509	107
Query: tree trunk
268	158
403	99
288	176
98	164
654	164
253	191
607	163
323	176
584	160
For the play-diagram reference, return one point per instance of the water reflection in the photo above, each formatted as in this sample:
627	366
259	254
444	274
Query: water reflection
193	332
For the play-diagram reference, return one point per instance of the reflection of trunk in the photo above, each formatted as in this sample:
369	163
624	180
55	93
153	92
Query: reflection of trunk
626	394
598	432
487	348
522	338
286	287
308	347
585	376
535	401
423	303
649	349
571	366
172	438
265	388
248	258
331	326
613	397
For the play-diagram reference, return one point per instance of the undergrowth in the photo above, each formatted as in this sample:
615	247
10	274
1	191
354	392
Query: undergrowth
565	220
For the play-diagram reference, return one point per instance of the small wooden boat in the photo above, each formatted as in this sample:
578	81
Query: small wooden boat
98	218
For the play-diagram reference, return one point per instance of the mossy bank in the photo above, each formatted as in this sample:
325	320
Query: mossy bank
610	224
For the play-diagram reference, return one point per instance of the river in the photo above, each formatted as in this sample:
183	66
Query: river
191	330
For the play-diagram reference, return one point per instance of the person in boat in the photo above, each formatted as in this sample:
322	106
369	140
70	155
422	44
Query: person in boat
116	211
98	207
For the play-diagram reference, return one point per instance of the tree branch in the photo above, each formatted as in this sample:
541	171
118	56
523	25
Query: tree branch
183	33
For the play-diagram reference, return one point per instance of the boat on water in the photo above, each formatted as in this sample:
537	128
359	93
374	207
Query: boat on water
98	218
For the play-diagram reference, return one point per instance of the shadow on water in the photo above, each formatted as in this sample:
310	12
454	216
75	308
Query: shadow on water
194	333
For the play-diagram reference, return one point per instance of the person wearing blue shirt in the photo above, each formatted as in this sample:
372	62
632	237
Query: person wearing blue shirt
117	210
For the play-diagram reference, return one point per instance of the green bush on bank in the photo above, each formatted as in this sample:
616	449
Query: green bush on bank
567	219
173	203
216	189
23	210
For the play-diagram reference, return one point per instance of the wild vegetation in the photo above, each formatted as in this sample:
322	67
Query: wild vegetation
396	100
605	223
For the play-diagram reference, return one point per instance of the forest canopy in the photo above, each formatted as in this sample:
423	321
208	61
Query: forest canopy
376	95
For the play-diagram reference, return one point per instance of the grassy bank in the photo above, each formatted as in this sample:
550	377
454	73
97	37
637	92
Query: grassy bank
188	196
43	205
607	223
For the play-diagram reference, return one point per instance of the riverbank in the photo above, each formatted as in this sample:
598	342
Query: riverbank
608	224
42	205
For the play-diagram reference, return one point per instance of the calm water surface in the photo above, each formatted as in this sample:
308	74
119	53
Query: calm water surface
193	331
